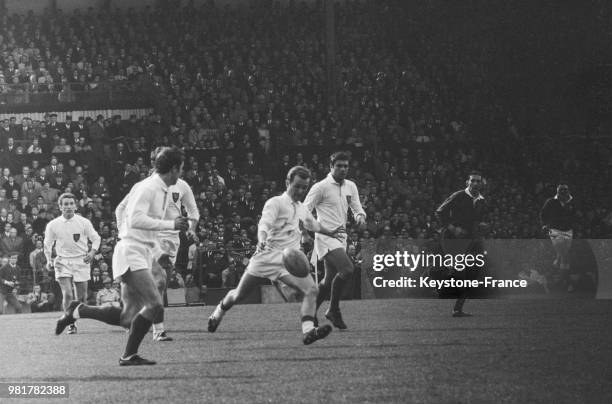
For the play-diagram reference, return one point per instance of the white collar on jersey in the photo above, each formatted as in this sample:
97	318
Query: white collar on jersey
331	179
66	220
564	203
479	197
160	182
286	196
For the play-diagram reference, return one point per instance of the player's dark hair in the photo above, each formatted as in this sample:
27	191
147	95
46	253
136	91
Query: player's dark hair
338	156
168	158
474	172
300	171
65	195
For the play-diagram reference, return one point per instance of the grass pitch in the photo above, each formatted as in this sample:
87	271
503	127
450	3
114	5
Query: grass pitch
402	350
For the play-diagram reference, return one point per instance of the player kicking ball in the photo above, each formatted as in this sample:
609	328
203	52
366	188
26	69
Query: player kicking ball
278	245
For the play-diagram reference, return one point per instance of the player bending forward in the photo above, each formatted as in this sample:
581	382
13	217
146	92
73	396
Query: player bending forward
279	228
133	259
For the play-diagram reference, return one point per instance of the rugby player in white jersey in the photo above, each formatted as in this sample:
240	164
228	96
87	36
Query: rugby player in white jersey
70	233
278	229
180	195
134	256
331	198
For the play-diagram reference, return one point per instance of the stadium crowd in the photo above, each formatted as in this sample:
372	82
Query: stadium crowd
244	92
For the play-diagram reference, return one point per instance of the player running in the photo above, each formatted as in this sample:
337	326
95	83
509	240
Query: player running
558	217
69	233
331	198
134	257
180	195
461	217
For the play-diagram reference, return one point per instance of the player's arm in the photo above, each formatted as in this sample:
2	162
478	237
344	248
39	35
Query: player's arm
314	197
545	215
95	239
443	214
120	211
137	211
191	207
48	244
266	223
310	223
355	205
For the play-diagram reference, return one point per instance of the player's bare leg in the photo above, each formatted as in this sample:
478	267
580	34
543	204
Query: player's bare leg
81	291
112	315
76	309
325	283
160	275
142	303
339	260
142	284
68	295
309	288
246	284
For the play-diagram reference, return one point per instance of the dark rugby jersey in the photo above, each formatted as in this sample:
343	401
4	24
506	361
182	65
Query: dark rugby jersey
461	209
558	216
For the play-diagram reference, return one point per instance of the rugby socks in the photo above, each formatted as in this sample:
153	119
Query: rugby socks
307	324
220	310
159	327
138	329
108	314
336	292
322	295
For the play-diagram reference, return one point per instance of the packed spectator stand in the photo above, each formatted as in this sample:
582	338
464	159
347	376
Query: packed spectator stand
244	92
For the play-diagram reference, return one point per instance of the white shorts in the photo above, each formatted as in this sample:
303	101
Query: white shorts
169	245
133	256
559	235
324	244
267	264
73	268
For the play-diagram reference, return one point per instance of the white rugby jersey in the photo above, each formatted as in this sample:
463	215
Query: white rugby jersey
70	237
331	200
180	194
140	216
280	219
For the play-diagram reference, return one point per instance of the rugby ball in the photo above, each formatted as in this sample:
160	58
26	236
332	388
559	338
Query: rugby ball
296	262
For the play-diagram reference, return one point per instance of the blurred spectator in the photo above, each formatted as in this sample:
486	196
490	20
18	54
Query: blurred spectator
39	301
11	244
9	282
175	280
108	296
213	270
229	275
